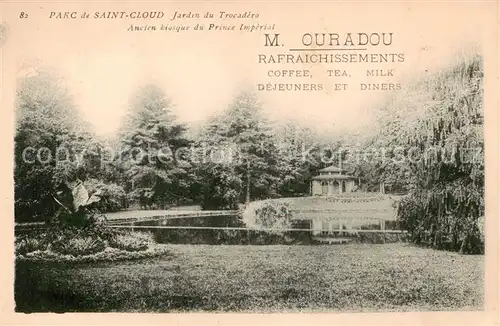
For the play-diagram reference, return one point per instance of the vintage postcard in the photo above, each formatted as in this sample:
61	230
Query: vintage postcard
293	161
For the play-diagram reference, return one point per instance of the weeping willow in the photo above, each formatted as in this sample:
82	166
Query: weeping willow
444	126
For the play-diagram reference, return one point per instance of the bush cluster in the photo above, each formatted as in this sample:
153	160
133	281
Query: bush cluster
113	197
63	243
78	246
459	229
27	245
269	214
131	241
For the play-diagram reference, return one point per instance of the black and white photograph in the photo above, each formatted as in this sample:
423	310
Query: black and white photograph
262	158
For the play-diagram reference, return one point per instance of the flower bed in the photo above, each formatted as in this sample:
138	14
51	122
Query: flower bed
87	245
107	255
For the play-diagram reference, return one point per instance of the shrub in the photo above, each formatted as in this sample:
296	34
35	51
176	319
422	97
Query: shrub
272	215
446	200
456	228
26	245
78	246
113	197
131	241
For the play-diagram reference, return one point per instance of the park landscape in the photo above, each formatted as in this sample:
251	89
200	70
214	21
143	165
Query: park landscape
167	217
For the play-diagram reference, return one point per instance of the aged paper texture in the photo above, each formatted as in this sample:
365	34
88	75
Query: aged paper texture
254	162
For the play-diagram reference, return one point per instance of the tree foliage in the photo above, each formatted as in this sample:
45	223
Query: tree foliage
298	153
150	138
443	126
52	145
51	142
238	150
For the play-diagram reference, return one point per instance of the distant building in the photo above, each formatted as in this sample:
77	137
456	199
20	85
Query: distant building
332	181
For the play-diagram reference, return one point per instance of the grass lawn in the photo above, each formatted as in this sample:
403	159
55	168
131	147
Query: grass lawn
261	279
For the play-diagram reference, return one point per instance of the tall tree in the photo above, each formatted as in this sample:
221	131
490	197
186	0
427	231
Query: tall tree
150	138
52	143
443	127
298	151
245	139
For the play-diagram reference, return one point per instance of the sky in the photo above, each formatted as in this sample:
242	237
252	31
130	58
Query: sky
201	71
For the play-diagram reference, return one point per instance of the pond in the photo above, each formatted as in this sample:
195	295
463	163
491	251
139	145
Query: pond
231	230
236	231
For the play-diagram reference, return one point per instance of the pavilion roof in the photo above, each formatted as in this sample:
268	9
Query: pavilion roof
332	168
332	177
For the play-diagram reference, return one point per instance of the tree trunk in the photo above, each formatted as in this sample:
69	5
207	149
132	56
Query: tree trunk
462	246
247	200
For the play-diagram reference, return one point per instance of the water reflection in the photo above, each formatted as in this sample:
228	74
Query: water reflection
219	236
